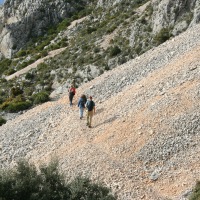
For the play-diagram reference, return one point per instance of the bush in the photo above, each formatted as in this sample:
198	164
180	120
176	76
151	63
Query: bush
22	65
162	36
15	91
2	121
40	97
15	106
29	76
21	53
111	29
4	65
42	66
91	29
64	24
9	72
83	188
44	53
26	182
196	192
115	51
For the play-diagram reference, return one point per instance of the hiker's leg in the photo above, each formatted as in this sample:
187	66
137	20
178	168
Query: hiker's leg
70	100
90	118
81	112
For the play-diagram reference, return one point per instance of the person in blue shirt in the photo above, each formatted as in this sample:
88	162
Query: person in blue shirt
81	105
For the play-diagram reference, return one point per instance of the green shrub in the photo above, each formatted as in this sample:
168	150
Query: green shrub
42	67
83	188
21	53
28	91
1	100
64	24
32	60
43	53
38	56
115	51
111	29
96	49
29	76
91	29
15	91
55	46
47	183
162	36
4	65
22	65
40	97
138	49
16	106
196	192
2	121
26	182
9	72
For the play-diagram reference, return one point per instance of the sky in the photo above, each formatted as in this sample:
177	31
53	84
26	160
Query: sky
1	1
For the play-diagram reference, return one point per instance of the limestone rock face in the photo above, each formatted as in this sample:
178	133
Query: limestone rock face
169	13
107	3
22	19
175	16
196	15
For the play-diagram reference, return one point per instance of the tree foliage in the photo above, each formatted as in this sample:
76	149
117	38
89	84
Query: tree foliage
26	182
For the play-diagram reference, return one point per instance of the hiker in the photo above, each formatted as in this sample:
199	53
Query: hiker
81	104
90	105
72	92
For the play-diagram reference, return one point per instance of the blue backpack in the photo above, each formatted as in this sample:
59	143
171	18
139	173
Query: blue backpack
90	105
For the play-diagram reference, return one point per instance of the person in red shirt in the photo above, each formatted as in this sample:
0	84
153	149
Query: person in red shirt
72	92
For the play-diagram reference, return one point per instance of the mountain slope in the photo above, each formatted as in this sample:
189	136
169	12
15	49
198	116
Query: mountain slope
107	34
146	131
24	20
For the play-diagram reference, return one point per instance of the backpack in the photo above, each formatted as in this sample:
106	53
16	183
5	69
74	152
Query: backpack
71	93
90	105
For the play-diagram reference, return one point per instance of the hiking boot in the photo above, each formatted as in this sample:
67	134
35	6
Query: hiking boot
89	126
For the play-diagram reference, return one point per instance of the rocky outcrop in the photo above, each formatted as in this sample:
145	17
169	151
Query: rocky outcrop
24	19
107	3
173	14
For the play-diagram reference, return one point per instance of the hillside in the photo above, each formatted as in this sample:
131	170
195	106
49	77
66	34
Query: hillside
145	134
97	36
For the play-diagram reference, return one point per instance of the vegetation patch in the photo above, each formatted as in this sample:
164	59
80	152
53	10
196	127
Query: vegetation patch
47	183
133	37
196	192
40	97
162	36
2	121
13	105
